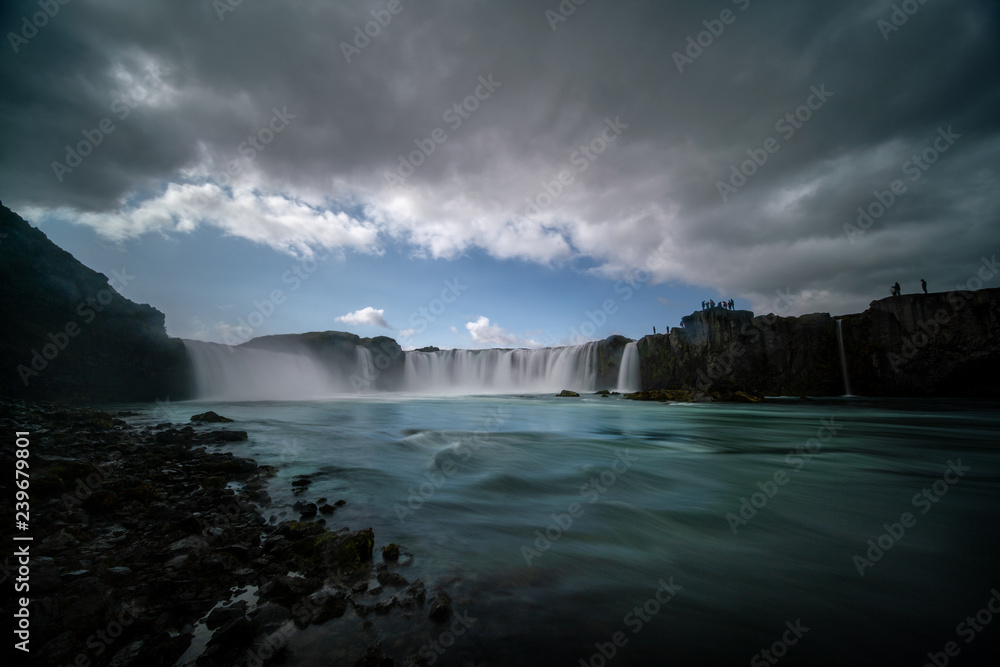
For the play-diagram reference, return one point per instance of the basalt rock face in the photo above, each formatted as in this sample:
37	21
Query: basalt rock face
942	344
609	359
338	351
721	350
913	345
67	334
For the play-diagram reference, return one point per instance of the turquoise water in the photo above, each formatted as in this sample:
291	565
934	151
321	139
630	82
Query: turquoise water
646	495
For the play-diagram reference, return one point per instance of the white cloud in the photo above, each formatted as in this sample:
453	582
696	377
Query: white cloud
282	221
366	316
485	333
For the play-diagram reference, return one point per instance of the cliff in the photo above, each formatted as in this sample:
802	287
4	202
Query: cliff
337	350
69	335
944	344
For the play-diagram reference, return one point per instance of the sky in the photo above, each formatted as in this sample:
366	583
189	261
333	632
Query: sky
503	173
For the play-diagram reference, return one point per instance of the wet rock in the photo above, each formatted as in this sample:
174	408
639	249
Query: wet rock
229	642
416	591
165	649
391	579
59	540
326	605
390	552
327	509
193	543
210	417
440	609
307	510
271	617
373	657
222	615
566	393
130	656
219	437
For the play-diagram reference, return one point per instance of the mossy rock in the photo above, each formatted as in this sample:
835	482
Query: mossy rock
566	393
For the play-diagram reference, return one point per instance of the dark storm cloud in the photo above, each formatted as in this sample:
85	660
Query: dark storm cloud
655	187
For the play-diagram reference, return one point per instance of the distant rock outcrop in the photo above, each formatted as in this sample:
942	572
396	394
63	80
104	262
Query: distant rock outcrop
338	351
945	344
67	334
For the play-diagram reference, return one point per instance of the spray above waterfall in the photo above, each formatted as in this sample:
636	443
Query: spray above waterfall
286	370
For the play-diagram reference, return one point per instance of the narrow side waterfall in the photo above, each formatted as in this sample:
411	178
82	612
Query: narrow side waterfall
502	371
628	373
843	359
224	372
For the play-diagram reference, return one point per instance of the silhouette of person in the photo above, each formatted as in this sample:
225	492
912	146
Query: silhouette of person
654	329
711	303
703	305
899	290
732	305
923	284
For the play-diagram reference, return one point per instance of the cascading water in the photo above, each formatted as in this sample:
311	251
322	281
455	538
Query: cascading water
224	372
628	373
843	359
502	371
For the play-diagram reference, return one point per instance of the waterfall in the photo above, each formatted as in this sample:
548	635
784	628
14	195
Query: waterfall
497	371
224	372
364	378
628	373
843	359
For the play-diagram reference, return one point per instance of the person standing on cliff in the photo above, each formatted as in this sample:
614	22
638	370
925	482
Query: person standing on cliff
899	290
923	285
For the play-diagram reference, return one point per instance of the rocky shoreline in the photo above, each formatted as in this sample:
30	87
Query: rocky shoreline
150	549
